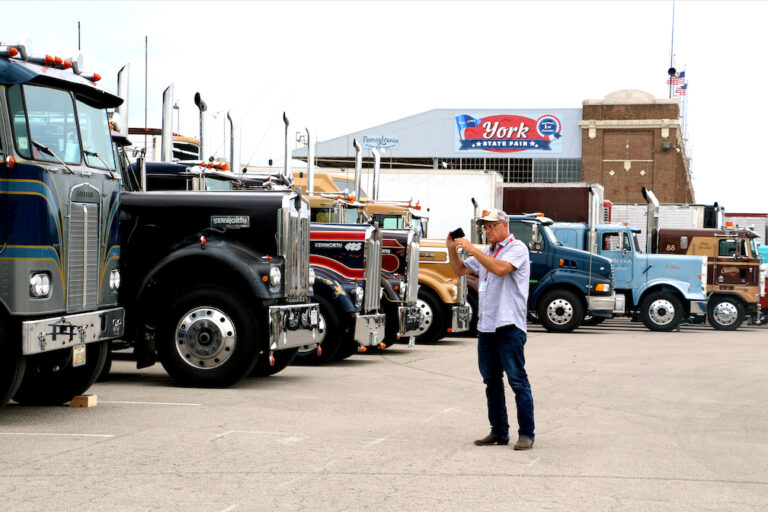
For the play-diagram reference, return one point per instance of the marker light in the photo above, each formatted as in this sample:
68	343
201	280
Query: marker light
48	60
603	287
58	61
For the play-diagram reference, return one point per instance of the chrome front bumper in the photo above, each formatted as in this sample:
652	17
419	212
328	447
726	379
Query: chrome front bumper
292	326
70	330
369	329
460	318
602	305
409	320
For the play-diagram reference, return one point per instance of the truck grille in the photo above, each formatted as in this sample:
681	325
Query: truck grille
293	246
83	257
373	248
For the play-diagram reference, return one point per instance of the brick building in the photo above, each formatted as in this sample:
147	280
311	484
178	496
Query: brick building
625	141
632	140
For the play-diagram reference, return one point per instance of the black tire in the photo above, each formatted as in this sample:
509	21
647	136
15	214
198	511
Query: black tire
209	338
282	359
12	365
349	347
590	320
661	311
560	311
50	378
432	316
104	375
725	313
330	335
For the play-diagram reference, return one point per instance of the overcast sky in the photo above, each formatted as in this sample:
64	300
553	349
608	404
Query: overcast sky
339	67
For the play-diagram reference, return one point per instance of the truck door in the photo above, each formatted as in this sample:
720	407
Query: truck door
617	246
728	268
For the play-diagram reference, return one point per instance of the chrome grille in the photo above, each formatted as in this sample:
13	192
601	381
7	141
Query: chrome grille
293	246
83	257
373	247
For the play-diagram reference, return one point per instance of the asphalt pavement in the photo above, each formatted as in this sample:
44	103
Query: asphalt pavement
626	419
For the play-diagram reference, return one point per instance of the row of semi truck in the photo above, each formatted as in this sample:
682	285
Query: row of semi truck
221	275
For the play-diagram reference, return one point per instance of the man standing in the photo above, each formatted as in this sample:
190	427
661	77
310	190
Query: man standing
503	269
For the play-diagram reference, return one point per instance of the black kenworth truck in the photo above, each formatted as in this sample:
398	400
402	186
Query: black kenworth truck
344	255
216	285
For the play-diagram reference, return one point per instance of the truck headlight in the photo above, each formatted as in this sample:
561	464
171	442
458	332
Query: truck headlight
403	289
311	276
603	287
40	284
114	279
359	293
275	276
455	291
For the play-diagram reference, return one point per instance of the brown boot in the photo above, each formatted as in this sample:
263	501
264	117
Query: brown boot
523	443
490	439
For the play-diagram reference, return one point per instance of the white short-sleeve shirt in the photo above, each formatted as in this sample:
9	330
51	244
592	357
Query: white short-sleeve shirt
504	299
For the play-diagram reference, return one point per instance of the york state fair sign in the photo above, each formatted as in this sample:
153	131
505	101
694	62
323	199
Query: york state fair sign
509	133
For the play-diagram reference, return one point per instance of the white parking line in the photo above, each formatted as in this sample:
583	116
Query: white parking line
145	403
233	507
51	434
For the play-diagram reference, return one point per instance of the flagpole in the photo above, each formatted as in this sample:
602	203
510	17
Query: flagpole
672	47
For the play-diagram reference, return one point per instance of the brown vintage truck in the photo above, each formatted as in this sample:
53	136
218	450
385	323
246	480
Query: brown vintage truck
733	277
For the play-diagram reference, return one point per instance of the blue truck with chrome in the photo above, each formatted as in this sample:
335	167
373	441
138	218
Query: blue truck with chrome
659	288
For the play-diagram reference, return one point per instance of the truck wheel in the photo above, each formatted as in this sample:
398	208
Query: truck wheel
661	311
282	359
725	313
50	378
209	338
329	335
432	317
12	365
560	311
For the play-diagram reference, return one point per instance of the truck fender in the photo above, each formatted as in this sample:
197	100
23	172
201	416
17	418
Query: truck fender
216	261
334	290
680	288
437	283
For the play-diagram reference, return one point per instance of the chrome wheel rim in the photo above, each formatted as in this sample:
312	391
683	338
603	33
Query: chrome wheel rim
560	311
725	313
426	315
661	312
205	337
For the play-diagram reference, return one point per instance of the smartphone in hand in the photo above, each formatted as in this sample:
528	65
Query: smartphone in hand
457	233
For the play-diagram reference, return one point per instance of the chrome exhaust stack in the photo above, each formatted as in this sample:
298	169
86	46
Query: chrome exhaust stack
231	142
376	171
287	172
166	137
310	165
203	107
122	90
358	169
652	224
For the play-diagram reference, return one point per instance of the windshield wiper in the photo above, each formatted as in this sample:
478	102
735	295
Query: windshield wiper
93	153
49	151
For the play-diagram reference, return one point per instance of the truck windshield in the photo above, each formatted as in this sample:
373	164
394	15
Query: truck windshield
389	221
97	141
50	114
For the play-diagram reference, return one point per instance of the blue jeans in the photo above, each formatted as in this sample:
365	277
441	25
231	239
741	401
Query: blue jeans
499	352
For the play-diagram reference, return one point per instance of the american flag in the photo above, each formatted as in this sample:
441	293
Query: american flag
677	79
682	90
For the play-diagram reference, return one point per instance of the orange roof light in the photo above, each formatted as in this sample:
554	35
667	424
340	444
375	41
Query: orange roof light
729	223
12	52
66	64
58	61
48	60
